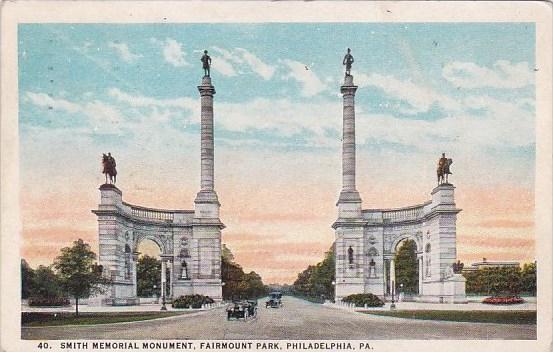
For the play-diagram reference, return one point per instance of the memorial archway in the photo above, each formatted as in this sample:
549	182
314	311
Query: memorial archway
406	268
148	270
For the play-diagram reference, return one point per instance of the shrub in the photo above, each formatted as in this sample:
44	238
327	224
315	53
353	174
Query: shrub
360	299
194	301
503	300
48	301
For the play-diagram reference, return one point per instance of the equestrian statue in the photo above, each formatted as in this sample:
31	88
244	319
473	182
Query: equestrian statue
108	163
443	170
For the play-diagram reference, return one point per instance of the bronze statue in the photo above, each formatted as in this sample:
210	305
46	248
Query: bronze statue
444	169
350	255
206	63
108	162
348	61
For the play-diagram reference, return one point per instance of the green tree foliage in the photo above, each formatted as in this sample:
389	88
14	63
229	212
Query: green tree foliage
316	280
79	275
27	278
407	271
529	278
148	275
499	281
239	285
46	284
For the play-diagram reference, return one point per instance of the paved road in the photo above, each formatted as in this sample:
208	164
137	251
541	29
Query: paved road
297	319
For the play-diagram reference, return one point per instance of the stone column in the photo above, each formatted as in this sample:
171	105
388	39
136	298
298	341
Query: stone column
421	268
385	276
392	276
349	191
207	190
171	278
134	274
163	277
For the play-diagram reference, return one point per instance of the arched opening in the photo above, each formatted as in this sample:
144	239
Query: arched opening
406	268
148	272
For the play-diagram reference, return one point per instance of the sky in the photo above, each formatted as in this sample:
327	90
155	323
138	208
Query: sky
465	89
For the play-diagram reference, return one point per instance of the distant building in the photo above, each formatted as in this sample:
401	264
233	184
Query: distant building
485	263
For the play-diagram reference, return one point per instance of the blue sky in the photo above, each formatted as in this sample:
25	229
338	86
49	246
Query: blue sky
466	89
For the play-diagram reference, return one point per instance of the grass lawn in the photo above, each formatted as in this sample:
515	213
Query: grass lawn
499	317
88	318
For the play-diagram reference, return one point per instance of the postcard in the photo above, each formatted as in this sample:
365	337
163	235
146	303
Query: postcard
333	176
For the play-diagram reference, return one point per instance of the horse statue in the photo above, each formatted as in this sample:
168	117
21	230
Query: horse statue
443	169
108	163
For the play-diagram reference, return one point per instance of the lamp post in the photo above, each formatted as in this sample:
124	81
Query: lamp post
334	285
400	291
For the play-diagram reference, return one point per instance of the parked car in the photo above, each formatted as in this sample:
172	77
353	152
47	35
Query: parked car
242	310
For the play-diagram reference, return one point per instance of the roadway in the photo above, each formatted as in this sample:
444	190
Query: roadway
297	319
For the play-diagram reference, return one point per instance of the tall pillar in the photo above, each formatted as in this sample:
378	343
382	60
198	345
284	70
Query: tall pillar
349	190
171	278
205	264
134	273
421	264
350	225
207	191
163	277
393	276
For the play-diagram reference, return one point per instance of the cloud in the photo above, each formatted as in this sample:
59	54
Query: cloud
281	116
173	53
98	112
503	74
257	65
225	61
123	51
310	82
418	97
44	100
143	101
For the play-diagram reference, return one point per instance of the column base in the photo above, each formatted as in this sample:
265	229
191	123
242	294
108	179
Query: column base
349	197
207	197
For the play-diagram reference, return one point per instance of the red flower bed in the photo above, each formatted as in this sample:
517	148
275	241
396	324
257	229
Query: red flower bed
503	300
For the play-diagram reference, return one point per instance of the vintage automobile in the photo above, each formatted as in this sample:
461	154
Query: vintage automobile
275	300
242	310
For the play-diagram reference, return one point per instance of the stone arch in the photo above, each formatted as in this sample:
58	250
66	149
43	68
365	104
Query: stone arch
404	237
156	239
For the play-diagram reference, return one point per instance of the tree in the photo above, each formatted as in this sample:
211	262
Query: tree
407	271
529	278
237	284
79	275
148	275
27	278
227	254
46	284
254	285
316	280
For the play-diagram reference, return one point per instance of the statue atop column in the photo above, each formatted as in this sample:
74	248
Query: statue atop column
443	169
108	163
348	61
206	63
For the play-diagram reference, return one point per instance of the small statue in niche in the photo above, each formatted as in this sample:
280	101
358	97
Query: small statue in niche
184	271
372	268
350	255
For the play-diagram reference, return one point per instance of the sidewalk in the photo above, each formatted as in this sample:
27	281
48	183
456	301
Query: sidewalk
116	309
440	306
